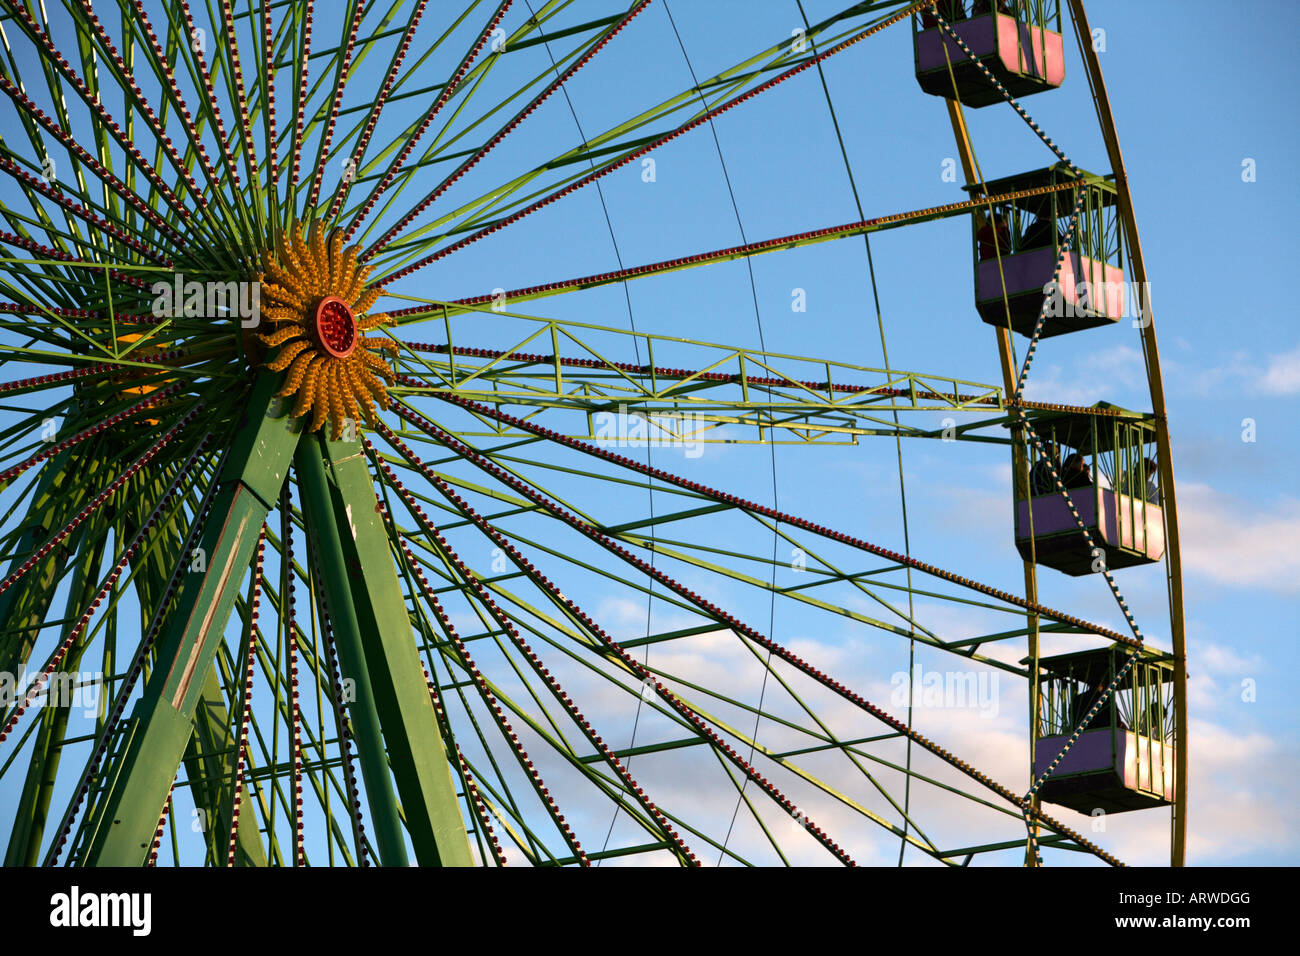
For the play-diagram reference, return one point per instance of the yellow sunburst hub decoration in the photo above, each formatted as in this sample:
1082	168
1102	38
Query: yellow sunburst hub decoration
315	297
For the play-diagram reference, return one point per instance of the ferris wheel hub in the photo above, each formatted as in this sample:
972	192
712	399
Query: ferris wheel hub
335	326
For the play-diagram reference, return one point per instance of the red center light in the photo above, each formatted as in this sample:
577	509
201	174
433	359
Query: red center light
336	327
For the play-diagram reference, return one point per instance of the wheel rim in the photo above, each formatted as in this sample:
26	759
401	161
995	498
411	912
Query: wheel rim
449	656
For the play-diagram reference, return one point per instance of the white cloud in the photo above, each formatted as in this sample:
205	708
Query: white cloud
1216	675
1122	363
1241	786
1243	791
1104	375
1282	377
1278	374
1050	384
1217	659
1232	543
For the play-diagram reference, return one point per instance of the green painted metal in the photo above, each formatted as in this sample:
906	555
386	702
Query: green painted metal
327	544
382	646
210	768
23	608
381	625
38	787
158	732
679	110
772	396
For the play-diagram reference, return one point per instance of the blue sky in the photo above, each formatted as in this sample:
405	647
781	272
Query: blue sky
1199	99
1196	94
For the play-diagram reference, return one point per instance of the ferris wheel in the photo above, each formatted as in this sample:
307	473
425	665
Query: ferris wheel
306	565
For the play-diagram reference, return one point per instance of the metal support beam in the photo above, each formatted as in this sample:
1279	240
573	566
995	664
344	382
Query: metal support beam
378	649
210	768
42	773
327	545
60	489
156	735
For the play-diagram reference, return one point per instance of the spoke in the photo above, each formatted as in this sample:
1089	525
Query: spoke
487	147
482	625
358	8
706	117
359	149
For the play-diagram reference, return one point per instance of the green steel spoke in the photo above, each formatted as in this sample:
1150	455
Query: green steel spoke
389	706
685	100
